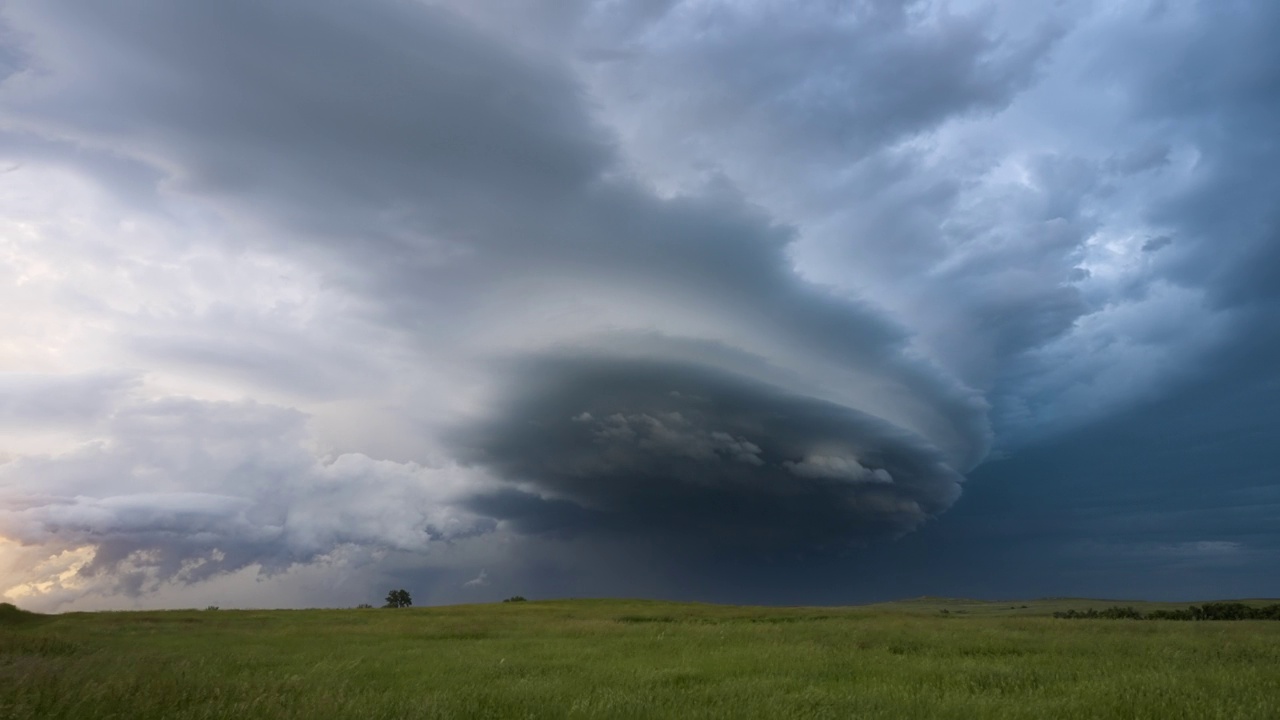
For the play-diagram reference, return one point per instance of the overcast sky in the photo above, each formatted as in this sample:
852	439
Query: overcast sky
731	300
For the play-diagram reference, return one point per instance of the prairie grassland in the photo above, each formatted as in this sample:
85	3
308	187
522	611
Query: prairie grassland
636	659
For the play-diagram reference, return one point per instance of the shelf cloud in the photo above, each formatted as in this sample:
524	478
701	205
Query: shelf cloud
699	456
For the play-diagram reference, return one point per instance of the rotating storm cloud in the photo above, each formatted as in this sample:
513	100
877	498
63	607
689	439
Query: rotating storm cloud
303	297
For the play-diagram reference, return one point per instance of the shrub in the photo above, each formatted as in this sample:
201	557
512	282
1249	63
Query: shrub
1120	613
515	598
1208	611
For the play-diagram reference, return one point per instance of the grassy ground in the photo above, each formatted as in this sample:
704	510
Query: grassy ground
631	659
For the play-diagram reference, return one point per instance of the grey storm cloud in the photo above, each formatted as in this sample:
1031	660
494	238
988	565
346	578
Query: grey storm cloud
461	185
700	457
473	278
455	181
841	80
332	119
1227	103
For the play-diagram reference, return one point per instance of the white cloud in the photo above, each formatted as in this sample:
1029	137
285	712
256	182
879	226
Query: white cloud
182	490
838	467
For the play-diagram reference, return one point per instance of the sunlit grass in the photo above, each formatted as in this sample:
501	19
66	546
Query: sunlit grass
637	659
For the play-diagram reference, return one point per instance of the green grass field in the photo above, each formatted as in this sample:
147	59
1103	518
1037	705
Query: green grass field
637	659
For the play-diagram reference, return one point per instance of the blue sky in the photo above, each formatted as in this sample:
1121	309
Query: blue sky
745	301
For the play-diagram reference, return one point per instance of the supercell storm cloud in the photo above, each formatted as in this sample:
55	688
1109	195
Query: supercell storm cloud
569	297
702	458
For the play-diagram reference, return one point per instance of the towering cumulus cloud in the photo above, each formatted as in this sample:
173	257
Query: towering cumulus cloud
183	490
454	288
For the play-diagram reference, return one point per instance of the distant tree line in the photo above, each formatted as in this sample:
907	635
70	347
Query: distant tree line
1208	611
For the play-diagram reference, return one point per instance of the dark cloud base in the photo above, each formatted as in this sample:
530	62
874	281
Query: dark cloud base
699	458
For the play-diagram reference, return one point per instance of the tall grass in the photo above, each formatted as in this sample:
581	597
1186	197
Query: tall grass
584	659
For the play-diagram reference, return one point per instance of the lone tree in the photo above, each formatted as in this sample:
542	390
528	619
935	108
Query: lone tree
398	599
